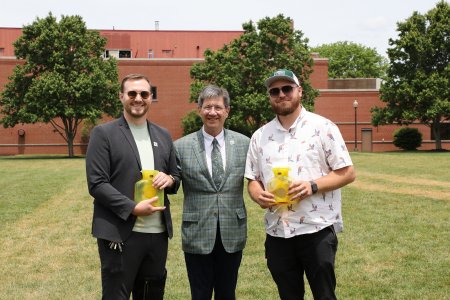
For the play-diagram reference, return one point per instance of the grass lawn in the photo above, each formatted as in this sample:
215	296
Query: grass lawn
396	242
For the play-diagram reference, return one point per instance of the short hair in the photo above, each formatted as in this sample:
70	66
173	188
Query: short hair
134	77
212	91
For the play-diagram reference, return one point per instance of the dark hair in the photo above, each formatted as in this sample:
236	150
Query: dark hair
212	91
133	77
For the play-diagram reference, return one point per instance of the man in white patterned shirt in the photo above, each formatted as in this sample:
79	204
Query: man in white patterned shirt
301	236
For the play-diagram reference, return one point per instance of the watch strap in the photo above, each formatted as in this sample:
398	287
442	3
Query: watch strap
314	187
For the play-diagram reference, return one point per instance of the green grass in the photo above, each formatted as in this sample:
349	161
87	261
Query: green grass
395	244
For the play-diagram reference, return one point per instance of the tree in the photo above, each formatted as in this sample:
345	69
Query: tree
63	79
351	60
418	77
243	65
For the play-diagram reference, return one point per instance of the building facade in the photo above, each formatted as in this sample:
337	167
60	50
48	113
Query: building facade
166	58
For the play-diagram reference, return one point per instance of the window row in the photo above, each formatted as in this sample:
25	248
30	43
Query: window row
126	53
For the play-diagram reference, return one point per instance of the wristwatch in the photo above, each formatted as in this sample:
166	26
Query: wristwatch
313	187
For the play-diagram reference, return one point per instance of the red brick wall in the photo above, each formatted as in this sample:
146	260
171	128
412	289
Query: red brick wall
172	79
319	78
337	105
6	68
181	44
7	37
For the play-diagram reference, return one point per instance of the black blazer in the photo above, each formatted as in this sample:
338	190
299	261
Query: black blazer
113	167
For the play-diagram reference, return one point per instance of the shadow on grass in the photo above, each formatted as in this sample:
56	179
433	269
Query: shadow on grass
37	156
413	151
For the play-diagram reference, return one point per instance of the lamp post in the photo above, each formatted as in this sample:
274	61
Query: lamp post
355	106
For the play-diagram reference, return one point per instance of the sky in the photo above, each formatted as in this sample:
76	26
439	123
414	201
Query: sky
367	22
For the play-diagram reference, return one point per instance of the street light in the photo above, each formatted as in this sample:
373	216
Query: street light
355	106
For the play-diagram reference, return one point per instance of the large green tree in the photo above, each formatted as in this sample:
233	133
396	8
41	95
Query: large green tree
242	67
418	77
63	79
351	60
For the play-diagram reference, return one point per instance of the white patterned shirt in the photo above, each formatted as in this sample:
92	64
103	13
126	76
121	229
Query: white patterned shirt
312	147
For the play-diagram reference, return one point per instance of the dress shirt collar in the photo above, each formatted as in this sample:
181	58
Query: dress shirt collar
209	138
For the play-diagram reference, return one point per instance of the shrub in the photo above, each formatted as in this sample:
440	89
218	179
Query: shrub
407	138
88	125
191	122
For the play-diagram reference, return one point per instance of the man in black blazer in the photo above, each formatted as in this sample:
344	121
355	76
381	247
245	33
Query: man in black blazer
132	237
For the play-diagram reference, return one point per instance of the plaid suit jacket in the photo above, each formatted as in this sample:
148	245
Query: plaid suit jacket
205	205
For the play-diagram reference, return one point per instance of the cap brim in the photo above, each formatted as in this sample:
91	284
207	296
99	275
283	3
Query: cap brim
272	79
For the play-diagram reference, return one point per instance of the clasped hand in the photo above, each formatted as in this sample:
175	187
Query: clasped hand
298	190
145	207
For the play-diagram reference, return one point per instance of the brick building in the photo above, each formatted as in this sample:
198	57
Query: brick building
166	58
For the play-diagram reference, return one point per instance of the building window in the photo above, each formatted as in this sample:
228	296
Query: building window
117	53
154	93
124	54
111	53
150	53
445	131
167	53
2	51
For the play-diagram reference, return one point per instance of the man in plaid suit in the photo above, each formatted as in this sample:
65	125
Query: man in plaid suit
214	227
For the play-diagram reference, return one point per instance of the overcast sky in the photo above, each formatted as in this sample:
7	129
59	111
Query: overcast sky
367	22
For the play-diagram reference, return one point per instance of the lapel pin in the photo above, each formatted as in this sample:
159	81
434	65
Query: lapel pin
155	144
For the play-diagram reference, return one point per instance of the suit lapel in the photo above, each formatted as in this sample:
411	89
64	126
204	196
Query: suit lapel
200	155
129	137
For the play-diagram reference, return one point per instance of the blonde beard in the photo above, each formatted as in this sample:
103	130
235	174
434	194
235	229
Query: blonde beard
284	111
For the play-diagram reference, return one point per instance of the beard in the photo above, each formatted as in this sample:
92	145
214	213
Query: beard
285	108
136	112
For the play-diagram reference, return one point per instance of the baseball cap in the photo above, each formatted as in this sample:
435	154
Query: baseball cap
282	74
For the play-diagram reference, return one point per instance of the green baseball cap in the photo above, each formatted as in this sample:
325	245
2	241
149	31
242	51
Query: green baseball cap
282	74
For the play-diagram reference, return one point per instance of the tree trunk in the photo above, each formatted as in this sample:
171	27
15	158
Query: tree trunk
70	145
437	134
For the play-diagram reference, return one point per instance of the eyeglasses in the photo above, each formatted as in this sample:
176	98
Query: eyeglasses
144	94
286	89
217	108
